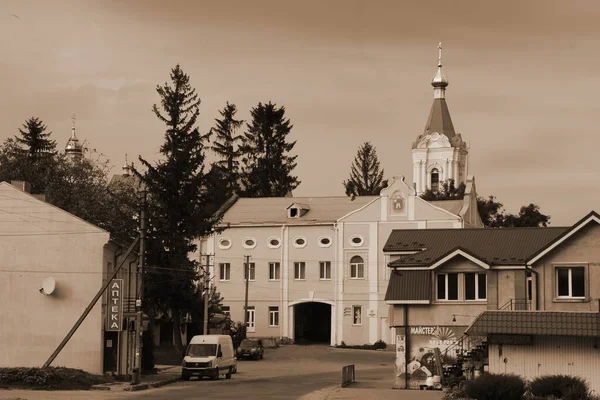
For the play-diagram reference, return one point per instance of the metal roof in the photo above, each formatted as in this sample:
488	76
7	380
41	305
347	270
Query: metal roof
266	210
541	323
452	206
494	246
409	286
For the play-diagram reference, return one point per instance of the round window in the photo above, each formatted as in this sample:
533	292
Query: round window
225	242
356	240
249	242
274	242
300	242
325	241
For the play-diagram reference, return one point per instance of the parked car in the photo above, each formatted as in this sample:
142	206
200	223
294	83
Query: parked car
252	348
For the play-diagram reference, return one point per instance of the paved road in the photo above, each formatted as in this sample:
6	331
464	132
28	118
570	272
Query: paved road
282	387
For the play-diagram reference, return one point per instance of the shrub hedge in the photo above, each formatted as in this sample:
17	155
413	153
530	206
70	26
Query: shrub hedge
51	378
496	387
561	386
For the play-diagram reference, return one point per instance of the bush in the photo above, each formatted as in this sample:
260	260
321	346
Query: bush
561	386
51	378
496	387
380	344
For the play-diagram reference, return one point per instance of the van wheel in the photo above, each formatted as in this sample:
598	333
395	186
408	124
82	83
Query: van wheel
216	374
185	377
228	374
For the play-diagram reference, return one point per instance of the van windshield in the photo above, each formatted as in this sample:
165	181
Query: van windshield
201	350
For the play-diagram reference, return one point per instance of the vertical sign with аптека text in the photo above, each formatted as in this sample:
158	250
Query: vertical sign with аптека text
114	305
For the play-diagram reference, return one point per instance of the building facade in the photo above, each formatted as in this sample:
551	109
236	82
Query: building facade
53	265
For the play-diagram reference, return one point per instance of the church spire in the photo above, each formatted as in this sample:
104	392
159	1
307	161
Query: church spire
74	149
439	81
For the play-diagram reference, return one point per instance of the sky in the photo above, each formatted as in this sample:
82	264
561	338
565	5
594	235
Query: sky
523	75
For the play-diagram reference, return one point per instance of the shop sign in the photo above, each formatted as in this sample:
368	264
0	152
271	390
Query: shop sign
114	305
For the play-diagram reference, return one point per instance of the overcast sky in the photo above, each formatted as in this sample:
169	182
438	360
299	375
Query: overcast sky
523	75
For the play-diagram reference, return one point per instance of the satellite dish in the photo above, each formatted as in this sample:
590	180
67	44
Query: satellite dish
48	286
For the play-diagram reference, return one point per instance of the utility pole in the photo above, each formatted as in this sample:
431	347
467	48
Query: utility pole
206	293
138	302
247	276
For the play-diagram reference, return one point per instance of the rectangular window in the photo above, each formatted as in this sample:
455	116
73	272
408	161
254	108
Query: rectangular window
447	286
224	271
299	270
251	318
475	286
325	270
570	282
274	271
226	310
251	270
273	316
356	315
357	268
529	286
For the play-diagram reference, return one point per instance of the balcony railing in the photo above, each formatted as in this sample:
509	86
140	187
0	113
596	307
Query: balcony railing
516	305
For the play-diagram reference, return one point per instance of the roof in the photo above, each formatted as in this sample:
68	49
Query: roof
452	206
541	323
273	210
409	287
439	121
494	246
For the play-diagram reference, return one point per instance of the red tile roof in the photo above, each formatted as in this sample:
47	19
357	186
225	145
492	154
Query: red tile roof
494	246
409	286
541	323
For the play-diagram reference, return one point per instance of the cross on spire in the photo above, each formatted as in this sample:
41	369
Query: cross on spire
440	54
73	119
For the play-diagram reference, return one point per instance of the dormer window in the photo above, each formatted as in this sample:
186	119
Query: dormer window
297	210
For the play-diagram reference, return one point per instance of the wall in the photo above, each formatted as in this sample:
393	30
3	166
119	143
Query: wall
583	248
38	241
577	356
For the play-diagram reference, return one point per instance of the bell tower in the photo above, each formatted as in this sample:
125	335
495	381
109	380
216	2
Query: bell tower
439	154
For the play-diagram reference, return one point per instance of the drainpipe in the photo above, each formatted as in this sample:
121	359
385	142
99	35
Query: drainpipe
537	276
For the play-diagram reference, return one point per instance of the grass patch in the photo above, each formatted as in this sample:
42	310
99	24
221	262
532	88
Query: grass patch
51	378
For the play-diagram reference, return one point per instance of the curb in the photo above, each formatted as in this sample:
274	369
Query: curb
140	386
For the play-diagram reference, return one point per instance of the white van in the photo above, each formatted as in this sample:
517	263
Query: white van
209	355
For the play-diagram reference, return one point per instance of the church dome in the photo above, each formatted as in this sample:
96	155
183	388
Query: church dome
73	144
439	80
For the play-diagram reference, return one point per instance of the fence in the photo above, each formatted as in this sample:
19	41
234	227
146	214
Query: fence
348	375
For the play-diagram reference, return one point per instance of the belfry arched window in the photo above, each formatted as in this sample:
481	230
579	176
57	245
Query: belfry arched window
435	180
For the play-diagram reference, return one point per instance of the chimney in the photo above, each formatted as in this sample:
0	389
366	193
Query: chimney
22	186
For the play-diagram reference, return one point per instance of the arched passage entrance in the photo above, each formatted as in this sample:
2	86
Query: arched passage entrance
312	322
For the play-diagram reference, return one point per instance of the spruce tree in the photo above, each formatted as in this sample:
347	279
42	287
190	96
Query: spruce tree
226	145
35	139
267	165
177	188
366	178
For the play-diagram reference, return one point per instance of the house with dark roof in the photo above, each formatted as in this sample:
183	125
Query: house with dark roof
513	296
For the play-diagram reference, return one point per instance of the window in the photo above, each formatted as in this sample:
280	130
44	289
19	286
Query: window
570	282
226	310
249	243
299	242
299	270
356	315
447	286
273	316
251	318
224	243
325	241
325	270
294	212
529	286
475	286
274	242
274	271
250	270
357	268
224	271
435	180
356	241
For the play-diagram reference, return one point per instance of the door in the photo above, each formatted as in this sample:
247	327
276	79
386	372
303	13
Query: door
251	319
111	346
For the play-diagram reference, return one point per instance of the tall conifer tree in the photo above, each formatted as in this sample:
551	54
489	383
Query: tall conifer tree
34	139
267	165
226	145
177	188
366	178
